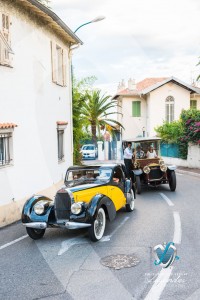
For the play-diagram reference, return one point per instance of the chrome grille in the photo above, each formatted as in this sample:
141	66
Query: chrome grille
62	205
155	173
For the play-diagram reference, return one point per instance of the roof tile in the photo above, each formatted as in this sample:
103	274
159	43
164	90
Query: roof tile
7	125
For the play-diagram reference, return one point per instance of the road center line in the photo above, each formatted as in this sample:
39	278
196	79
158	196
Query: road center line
169	202
177	228
164	275
13	242
159	284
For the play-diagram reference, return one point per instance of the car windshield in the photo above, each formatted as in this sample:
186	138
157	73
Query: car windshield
88	175
88	148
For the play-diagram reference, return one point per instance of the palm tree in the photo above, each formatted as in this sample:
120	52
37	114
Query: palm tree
95	111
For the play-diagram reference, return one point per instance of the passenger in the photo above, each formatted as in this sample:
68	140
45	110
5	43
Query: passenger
139	153
151	153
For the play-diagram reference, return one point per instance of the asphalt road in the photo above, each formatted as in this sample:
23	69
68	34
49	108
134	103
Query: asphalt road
67	265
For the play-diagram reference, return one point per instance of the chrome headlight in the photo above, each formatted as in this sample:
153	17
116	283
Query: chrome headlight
136	164
39	207
146	169
161	162
163	168
76	208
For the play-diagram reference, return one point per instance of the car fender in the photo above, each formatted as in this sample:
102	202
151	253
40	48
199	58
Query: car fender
28	214
172	167
137	172
98	201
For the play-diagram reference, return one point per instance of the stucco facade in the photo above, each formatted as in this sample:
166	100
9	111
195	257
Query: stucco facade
38	106
152	94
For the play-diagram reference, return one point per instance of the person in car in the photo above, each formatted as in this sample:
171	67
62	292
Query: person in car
139	152
151	153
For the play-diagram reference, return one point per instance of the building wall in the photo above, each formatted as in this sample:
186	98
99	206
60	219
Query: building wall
30	99
156	104
133	125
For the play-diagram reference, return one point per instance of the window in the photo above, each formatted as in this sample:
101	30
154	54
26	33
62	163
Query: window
61	125
136	108
60	144
5	48
59	60
5	148
169	109
193	104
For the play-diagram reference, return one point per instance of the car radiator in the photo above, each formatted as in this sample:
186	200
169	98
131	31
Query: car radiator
62	206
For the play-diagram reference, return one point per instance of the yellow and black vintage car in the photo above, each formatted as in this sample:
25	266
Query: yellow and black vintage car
90	195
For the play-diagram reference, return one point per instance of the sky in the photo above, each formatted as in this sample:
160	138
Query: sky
137	39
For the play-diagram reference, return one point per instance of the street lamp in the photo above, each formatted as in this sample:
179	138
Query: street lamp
97	19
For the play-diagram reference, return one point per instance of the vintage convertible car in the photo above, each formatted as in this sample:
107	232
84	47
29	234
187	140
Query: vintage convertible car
151	171
90	195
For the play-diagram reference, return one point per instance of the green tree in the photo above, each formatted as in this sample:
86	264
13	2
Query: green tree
79	90
170	132
96	112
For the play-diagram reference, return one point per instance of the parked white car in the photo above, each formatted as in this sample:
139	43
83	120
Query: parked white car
89	151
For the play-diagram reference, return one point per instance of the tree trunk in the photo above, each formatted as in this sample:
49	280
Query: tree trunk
94	133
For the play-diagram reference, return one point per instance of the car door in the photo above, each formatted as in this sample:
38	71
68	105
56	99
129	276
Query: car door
117	188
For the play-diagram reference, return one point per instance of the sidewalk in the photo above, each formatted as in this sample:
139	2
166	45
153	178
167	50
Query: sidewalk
189	171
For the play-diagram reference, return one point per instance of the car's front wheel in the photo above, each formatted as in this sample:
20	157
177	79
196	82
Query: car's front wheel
130	206
138	184
172	181
35	234
97	229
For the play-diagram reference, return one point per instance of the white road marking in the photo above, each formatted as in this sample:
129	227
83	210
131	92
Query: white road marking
159	284
66	245
169	202
164	275
13	242
70	242
177	228
107	238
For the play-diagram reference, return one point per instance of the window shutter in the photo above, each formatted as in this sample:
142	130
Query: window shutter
53	61
64	67
136	108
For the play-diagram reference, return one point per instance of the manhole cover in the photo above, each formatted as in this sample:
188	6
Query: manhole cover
120	261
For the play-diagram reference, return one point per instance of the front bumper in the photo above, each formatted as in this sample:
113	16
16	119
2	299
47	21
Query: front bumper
67	224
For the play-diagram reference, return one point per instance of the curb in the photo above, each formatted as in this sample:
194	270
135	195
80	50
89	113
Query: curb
187	173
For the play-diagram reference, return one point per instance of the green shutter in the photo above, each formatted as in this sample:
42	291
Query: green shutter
136	108
193	104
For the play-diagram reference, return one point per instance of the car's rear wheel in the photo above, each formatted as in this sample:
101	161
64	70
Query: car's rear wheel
130	206
172	181
35	234
97	229
138	184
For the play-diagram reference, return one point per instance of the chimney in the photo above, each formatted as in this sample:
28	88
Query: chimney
121	86
131	84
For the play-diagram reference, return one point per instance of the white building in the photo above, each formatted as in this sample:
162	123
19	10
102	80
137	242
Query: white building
145	105
35	103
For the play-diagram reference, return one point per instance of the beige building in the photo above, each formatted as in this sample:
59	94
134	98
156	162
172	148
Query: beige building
146	104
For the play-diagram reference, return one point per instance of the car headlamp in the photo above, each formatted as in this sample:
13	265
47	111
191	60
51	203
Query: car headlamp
163	168
161	162
146	169
76	208
136	164
39	207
